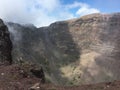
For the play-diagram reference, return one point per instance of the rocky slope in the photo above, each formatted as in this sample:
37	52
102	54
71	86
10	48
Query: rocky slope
15	77
79	51
20	76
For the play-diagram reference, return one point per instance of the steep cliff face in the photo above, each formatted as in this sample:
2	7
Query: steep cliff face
25	42
98	37
78	51
5	45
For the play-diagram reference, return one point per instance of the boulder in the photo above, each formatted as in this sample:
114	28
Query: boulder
38	73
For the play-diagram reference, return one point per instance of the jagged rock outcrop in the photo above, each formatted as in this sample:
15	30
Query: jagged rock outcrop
79	51
5	45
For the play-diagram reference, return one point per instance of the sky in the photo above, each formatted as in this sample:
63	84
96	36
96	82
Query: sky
44	12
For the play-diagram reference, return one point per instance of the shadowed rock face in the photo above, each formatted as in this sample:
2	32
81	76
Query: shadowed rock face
79	51
5	45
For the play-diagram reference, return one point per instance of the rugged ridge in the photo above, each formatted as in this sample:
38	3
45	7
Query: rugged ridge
79	51
5	45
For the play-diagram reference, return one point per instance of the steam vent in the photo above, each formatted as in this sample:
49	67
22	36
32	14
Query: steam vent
5	45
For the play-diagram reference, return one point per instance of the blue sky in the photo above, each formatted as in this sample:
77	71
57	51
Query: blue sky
45	12
105	6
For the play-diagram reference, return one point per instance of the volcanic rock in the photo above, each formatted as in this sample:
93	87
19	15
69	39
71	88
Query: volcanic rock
5	45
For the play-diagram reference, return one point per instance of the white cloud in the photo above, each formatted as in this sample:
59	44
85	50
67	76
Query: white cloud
83	8
86	10
28	11
40	12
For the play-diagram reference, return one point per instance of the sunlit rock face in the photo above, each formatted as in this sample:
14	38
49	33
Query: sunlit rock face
5	45
79	51
98	37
